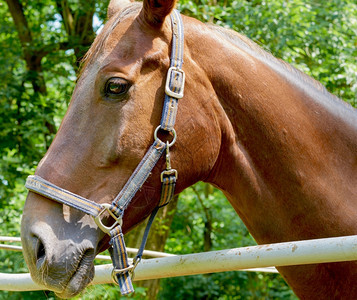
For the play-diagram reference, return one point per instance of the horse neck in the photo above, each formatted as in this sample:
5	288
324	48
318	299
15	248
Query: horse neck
288	150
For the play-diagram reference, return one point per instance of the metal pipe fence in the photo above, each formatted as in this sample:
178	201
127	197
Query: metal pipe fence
252	258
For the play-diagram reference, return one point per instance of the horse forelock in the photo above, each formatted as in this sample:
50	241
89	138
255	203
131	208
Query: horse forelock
99	42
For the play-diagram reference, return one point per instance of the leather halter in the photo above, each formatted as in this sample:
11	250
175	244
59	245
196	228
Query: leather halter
174	88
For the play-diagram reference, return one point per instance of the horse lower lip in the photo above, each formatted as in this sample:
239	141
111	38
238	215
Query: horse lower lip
79	279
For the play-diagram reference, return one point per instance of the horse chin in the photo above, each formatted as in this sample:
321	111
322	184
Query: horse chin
79	279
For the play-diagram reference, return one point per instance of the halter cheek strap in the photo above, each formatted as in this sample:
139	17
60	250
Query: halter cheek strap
174	88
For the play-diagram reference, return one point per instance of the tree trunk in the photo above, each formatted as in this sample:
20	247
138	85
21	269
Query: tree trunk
80	35
78	25
207	231
32	57
156	241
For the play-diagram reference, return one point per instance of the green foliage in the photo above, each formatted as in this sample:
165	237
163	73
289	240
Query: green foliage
228	285
228	231
109	292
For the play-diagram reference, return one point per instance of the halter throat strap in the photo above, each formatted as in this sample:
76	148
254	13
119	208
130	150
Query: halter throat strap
174	89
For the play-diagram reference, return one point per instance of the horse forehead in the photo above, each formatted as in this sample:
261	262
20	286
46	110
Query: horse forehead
121	42
117	45
126	40
131	40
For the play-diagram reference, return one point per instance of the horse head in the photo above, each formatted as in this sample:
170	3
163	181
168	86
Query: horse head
109	125
281	148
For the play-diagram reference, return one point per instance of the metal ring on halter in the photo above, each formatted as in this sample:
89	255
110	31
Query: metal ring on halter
172	131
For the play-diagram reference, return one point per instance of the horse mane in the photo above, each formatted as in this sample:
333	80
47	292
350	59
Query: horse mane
229	35
242	41
303	80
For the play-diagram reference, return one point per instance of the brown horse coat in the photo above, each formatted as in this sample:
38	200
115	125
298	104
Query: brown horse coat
281	148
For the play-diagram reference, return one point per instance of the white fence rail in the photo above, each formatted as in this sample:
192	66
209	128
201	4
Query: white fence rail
281	254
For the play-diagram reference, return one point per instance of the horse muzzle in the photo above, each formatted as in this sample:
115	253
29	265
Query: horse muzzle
58	257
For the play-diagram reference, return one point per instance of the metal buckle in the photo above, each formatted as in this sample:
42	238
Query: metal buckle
120	271
168	172
129	269
170	92
98	220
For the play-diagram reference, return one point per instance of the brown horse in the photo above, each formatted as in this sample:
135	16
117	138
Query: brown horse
281	148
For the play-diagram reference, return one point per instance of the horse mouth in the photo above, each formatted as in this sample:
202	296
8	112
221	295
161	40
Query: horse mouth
80	277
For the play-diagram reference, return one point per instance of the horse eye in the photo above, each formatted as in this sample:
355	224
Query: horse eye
116	87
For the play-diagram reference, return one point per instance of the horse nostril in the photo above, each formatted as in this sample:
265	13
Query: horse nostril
40	253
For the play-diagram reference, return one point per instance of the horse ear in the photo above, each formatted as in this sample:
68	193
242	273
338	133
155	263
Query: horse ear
117	5
155	11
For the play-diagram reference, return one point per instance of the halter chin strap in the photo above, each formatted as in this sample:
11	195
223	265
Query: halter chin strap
174	88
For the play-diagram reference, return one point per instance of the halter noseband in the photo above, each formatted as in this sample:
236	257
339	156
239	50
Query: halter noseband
174	88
